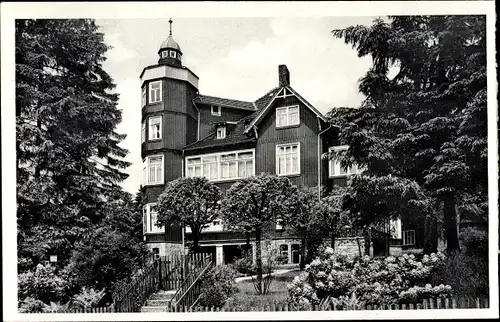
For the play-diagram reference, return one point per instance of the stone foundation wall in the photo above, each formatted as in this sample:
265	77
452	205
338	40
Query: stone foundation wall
350	245
166	249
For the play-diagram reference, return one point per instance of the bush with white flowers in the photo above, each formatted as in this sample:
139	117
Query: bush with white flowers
346	278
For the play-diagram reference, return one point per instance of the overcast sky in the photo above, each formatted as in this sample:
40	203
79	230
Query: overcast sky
235	58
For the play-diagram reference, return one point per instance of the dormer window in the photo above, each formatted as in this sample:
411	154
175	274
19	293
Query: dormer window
216	110
221	132
173	54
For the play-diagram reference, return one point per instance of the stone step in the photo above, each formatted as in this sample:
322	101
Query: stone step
162	295
158	302
153	309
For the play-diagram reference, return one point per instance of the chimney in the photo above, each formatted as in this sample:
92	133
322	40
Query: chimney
284	75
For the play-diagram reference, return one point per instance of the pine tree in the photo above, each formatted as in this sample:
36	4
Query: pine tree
426	126
68	154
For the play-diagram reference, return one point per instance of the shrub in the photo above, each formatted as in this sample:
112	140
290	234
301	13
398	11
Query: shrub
88	298
45	284
244	266
217	286
31	305
362	281
56	307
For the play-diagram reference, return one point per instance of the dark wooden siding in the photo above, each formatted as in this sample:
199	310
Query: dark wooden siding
227	114
306	133
173	234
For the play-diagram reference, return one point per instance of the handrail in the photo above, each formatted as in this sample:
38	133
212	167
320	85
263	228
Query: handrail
188	281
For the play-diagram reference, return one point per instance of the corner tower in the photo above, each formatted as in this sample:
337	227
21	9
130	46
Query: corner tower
168	123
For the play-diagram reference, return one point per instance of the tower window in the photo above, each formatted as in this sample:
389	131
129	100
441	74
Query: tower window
155	92
216	110
143	100
143	132
155	128
164	54
173	54
153	170
221	132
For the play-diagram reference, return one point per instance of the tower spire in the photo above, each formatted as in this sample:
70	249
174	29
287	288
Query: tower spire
170	22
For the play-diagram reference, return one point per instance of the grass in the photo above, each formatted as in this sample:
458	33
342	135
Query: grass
247	297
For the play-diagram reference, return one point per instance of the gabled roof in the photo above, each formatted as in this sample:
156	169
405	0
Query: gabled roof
225	102
234	135
263	111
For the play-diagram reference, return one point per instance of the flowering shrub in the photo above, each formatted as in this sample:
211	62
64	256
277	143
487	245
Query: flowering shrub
363	281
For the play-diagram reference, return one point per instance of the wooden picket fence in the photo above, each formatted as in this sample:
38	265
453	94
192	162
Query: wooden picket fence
107	309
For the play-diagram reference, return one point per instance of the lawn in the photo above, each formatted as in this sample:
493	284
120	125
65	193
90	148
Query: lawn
246	297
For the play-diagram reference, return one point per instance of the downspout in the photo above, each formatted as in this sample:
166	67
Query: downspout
198	121
320	145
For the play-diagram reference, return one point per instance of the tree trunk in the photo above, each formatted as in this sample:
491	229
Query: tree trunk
247	247
302	252
196	241
258	259
450	225
333	240
430	235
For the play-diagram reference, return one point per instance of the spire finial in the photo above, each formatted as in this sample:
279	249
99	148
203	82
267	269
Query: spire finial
170	22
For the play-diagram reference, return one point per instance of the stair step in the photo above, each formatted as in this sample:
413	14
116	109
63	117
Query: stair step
153	309
164	295
164	302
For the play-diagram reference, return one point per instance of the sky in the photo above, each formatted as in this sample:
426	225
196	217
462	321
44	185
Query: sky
234	58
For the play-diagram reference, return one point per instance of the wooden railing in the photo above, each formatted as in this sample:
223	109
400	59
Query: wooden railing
131	297
189	292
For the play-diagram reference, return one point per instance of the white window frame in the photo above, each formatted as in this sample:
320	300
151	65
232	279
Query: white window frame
218	163
150	129
172	54
215	113
278	146
160	90
150	222
221	132
334	165
143	131
143	96
146	168
287	116
279	224
406	235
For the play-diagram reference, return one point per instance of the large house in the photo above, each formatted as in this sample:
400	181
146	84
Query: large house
186	133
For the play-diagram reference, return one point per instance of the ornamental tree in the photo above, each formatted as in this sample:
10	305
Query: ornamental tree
426	124
253	204
192	202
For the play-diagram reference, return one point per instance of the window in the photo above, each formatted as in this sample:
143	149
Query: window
295	253
221	132
143	100
335	168
288	159
173	54
155	92
150	220
143	132
279	224
287	116
152	171
221	166
408	237
155	128
284	253
216	110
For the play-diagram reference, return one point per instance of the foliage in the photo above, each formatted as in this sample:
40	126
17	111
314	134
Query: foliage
31	305
244	265
45	284
217	286
254	203
192	202
56	307
371	281
88	298
425	126
105	257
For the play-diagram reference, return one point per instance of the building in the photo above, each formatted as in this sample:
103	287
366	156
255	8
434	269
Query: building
185	133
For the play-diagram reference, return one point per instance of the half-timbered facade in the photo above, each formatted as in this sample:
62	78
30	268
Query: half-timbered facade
186	133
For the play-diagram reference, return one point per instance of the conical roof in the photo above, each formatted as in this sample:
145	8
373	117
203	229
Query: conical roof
170	43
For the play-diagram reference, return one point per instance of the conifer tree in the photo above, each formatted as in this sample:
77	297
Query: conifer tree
68	154
426	126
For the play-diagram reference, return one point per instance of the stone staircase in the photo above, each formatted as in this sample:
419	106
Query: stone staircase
158	301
